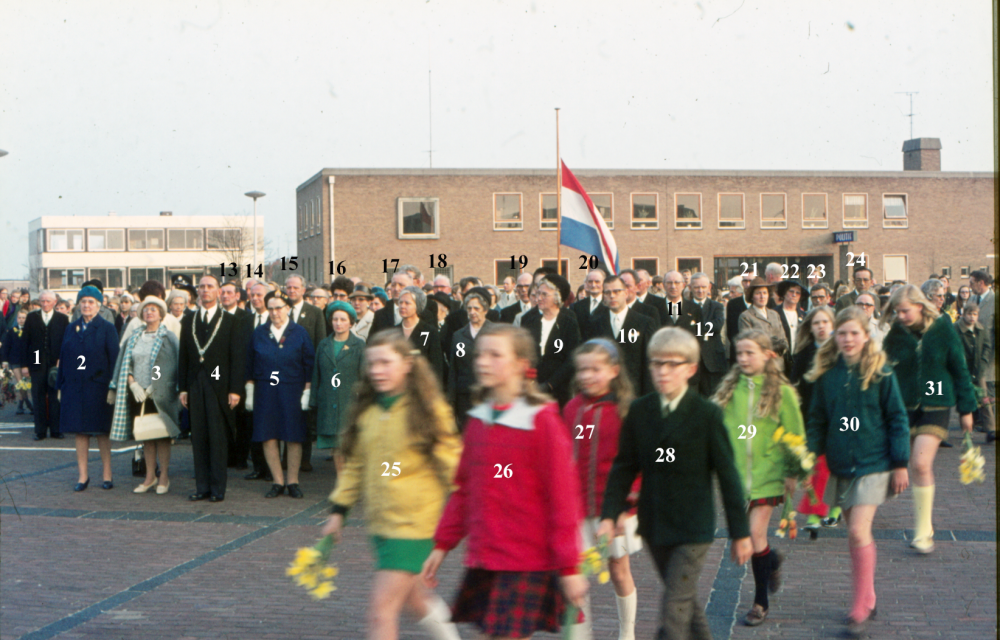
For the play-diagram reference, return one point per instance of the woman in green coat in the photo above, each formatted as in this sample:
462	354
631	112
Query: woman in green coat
929	360
339	358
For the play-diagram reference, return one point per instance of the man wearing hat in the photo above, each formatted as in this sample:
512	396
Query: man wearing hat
104	312
760	316
361	299
40	344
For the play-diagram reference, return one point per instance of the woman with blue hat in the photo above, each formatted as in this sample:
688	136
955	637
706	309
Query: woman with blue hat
86	363
339	358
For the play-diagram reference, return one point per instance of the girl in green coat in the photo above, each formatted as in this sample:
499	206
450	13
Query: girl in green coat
757	399
928	358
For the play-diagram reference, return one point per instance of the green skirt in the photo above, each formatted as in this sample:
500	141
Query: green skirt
396	554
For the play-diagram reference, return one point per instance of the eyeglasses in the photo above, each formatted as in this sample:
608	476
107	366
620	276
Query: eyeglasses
522	286
817	297
671	364
276	308
864	304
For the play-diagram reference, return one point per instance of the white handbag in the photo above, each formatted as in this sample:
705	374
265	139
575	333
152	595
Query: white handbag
153	426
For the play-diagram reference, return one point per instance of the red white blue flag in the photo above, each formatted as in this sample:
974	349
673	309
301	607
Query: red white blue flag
583	226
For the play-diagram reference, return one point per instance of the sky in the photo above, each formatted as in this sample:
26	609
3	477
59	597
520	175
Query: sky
182	106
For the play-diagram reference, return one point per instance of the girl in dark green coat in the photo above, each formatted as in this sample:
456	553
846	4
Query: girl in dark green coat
927	355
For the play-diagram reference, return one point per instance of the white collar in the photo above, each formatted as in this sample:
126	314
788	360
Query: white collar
277	333
520	415
209	312
621	315
672	403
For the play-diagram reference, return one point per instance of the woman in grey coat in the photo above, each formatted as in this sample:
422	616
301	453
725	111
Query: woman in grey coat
759	316
146	373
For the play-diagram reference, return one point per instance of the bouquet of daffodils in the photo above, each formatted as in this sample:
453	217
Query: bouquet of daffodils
310	570
795	445
593	562
23	385
972	466
788	526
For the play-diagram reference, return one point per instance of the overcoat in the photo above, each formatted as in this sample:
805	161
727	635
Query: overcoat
331	403
83	384
277	407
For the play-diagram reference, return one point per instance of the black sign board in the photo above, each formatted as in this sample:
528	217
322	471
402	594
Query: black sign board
841	237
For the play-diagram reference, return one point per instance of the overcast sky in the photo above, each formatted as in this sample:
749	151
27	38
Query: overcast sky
138	107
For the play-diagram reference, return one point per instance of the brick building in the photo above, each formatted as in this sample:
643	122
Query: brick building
907	223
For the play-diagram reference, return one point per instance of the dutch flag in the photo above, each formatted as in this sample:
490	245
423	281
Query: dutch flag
583	227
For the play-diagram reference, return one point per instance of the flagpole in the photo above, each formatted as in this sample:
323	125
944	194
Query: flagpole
558	200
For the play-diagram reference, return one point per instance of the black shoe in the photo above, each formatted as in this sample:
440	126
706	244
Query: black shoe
294	491
37	437
107	484
81	486
59	436
216	498
195	497
991	437
946	445
258	475
276	490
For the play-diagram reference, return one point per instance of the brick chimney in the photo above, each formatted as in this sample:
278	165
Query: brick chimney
922	154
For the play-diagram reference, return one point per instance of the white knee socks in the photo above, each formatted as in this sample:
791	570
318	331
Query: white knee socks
438	623
626	616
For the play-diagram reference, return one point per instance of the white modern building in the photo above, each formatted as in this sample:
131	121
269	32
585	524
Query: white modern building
125	251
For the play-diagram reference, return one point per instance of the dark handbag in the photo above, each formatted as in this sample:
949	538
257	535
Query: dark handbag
53	378
138	463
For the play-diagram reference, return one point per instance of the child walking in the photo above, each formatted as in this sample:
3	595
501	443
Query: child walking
756	401
517	500
593	418
401	449
857	418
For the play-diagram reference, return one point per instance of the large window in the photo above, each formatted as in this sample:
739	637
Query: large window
894	211
856	210
731	211
223	238
65	278
694	264
772	211
894	268
644	210
798	267
106	239
605	203
507	212
185	239
501	269
417	218
145	240
688	210
112	278
65	240
651	265
549	208
137	277
552	264
814	211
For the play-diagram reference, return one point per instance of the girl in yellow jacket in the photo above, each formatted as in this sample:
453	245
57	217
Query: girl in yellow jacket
401	451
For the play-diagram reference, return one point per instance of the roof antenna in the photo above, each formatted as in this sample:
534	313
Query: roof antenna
910	114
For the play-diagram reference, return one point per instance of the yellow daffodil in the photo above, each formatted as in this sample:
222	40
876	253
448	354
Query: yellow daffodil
307	580
603	577
323	590
329	572
780	431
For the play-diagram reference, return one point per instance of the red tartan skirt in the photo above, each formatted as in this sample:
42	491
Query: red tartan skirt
773	501
510	604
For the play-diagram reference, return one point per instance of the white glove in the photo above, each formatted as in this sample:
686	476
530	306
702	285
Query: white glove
112	396
305	400
137	391
248	403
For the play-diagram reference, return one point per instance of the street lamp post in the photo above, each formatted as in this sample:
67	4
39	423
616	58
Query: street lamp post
255	195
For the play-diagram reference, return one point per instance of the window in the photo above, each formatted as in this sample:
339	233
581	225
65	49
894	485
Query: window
946	271
688	211
894	211
965	272
814	211
856	210
894	268
551	264
694	264
417	218
180	239
651	265
548	206
145	239
644	211
605	206
65	278
501	269
66	240
223	238
507	212
40	241
138	277
727	267
112	278
302	219
772	211
106	239
731	211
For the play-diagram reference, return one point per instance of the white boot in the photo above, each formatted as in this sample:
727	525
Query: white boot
438	623
583	631
626	616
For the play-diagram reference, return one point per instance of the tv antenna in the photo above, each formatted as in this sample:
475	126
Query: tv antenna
910	114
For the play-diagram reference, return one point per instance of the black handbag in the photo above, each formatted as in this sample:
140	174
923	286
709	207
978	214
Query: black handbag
138	463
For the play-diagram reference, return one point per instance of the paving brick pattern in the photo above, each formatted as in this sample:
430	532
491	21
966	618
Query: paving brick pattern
163	567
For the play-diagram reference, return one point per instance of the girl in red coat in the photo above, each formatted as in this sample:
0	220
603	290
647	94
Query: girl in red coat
594	418
517	499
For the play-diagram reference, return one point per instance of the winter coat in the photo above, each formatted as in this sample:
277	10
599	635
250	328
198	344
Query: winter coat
83	384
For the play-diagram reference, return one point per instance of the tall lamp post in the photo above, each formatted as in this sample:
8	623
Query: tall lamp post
254	195
2	153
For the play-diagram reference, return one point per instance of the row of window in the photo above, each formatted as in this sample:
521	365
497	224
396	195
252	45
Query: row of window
417	218
310	223
114	277
138	239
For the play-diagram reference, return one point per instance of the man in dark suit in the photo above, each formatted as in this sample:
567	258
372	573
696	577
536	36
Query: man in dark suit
388	316
40	345
590	304
863	281
629	279
313	321
614	317
680	312
521	290
734	308
643	295
714	364
239	444
254	317
210	377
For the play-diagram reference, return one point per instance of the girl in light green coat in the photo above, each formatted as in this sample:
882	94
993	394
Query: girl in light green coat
757	400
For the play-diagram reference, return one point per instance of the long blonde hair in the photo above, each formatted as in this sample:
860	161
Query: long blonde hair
872	362
770	394
524	349
803	335
422	391
912	294
621	386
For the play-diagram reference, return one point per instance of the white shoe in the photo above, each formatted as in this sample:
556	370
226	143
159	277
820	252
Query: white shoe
143	488
923	545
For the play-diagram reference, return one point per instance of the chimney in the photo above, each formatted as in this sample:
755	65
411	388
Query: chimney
166	213
922	154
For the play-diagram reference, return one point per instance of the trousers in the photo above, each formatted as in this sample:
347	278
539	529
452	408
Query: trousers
46	413
681	615
209	442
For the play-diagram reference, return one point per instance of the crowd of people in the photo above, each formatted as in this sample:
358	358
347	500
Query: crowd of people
531	420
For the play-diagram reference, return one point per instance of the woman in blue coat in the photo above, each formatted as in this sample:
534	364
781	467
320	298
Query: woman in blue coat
279	374
86	363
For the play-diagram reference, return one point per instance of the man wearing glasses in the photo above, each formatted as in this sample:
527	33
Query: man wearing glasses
627	328
523	287
819	295
863	281
319	297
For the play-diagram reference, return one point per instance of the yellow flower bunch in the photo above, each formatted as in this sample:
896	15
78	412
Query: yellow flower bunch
310	571
594	562
796	445
788	525
23	385
972	464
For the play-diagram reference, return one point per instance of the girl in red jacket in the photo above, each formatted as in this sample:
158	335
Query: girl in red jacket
594	418
517	499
